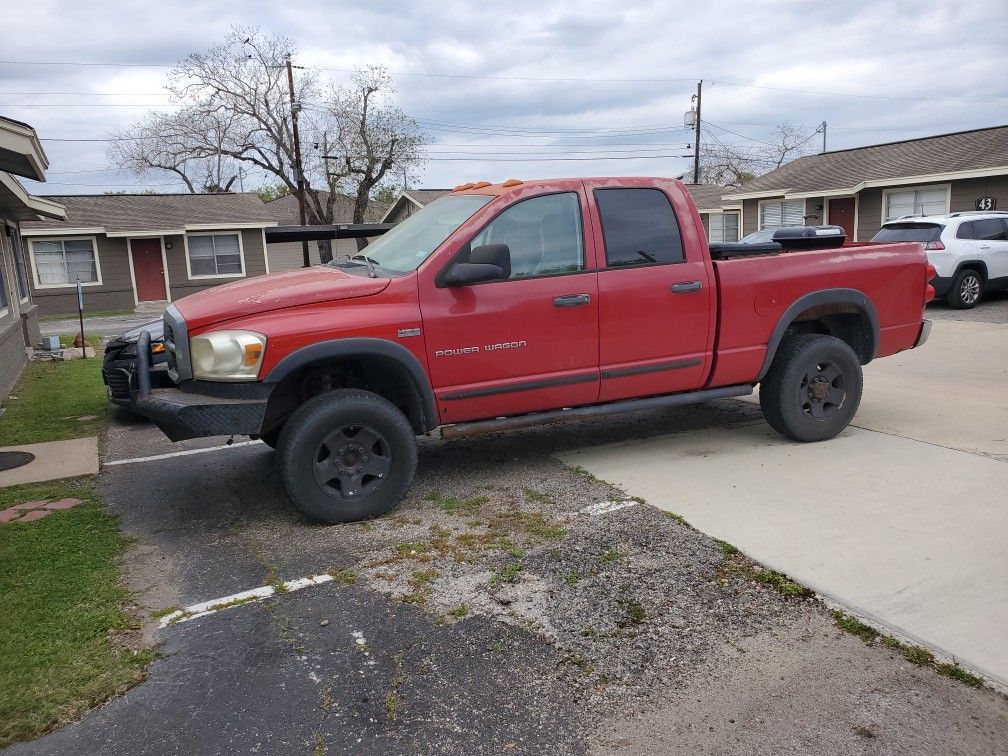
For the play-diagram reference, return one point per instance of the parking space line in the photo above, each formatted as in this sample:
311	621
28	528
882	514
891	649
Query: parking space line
604	507
204	608
184	453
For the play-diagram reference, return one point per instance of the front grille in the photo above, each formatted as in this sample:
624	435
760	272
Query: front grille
117	379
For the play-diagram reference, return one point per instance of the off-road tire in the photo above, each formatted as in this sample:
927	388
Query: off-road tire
271	437
309	450
823	366
966	291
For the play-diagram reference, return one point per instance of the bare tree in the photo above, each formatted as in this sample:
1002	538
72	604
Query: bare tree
729	164
236	110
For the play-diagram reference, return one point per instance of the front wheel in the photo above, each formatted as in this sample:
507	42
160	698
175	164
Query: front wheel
346	455
812	389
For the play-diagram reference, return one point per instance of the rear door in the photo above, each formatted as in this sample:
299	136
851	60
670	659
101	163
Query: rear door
529	342
656	292
991	238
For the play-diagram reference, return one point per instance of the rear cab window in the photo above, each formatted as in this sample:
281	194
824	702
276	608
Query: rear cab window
639	227
909	232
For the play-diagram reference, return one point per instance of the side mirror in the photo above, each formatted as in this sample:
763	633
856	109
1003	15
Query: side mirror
463	274
493	254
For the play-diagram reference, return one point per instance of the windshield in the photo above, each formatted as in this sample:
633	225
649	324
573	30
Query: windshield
909	232
409	243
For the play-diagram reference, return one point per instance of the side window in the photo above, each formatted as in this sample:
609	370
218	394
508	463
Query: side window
543	235
639	227
989	229
965	231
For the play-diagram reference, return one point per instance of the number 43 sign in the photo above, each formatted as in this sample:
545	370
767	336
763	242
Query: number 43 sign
986	204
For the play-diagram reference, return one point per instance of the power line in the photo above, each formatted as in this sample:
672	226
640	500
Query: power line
94	94
559	79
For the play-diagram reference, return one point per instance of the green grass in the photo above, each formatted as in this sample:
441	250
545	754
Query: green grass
60	607
50	398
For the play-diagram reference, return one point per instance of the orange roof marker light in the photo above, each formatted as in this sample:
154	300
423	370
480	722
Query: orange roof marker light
480	184
463	187
512	182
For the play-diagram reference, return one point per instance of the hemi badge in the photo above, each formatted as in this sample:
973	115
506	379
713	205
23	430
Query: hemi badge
404	332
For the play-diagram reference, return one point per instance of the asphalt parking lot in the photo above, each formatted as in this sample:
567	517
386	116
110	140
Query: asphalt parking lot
511	604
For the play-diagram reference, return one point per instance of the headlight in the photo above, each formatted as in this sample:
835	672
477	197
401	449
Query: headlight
227	355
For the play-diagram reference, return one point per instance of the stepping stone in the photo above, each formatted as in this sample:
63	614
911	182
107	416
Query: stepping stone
29	505
63	504
9	514
37	514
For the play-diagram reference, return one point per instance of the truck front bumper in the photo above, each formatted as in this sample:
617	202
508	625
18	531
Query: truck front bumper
198	408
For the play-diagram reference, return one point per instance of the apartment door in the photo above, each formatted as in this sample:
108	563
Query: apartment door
841	213
148	270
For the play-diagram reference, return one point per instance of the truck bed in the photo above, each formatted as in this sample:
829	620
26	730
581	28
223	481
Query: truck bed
768	284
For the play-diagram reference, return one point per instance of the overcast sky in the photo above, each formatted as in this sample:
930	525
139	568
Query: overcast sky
522	83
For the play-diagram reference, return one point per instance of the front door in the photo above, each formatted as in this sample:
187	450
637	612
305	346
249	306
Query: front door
529	342
148	270
841	213
656	297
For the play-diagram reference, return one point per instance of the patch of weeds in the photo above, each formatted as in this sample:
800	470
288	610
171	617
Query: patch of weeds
327	699
536	524
633	614
319	745
579	470
418	551
953	670
438	532
391	705
459	612
677	517
610	555
590	632
161	613
344	577
497	647
516	552
918	655
854	626
235	602
576	660
727	549
451	505
392	701
422	579
538	497
781	583
571	578
509	573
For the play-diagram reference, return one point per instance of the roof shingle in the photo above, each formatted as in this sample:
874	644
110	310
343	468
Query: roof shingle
118	213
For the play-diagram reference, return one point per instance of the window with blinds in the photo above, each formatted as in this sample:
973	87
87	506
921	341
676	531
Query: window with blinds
779	213
64	262
723	227
214	255
925	200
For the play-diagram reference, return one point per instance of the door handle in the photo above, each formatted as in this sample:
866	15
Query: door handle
571	300
685	287
985	246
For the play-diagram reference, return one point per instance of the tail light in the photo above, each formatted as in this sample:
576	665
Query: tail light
930	272
934	245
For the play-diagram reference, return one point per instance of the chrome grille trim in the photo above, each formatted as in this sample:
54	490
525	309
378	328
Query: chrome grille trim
176	340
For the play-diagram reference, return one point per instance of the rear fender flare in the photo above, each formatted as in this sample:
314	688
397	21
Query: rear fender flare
362	347
816	299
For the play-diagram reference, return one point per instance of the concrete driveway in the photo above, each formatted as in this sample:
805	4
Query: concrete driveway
903	518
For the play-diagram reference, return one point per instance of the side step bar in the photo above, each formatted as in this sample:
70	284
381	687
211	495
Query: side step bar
476	427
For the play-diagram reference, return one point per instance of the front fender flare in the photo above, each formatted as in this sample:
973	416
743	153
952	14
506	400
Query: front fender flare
362	347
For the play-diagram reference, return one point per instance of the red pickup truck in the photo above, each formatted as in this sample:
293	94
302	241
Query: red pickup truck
504	305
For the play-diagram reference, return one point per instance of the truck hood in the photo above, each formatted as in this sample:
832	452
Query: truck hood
274	292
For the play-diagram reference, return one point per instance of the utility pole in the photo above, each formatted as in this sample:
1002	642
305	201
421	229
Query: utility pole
823	127
696	145
299	166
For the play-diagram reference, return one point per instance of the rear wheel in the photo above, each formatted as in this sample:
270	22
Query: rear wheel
346	455
966	290
812	389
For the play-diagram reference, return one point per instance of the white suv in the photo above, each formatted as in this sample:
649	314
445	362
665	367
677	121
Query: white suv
969	250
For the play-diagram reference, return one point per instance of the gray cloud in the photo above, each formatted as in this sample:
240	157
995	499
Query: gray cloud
908	54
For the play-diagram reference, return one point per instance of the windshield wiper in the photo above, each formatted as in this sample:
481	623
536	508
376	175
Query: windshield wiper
370	264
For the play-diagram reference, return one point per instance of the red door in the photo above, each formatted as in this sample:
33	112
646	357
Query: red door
526	343
148	270
841	213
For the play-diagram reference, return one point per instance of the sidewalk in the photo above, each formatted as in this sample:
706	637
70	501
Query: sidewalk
54	460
